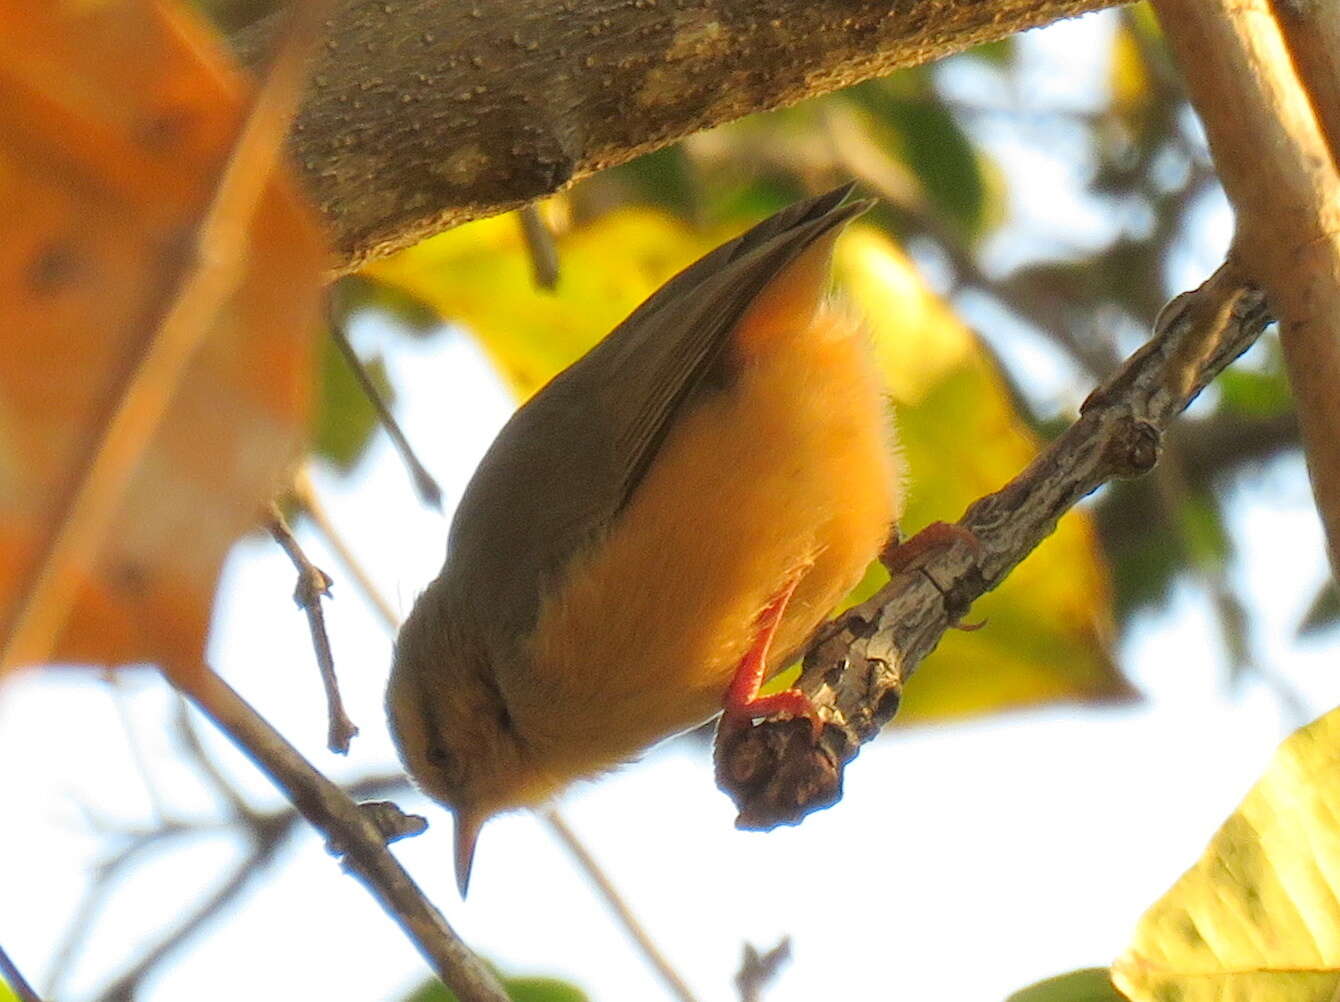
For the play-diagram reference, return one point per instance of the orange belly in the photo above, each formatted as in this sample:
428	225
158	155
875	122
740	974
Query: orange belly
793	467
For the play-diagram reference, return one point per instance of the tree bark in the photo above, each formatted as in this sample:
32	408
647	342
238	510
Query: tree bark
1272	133
422	114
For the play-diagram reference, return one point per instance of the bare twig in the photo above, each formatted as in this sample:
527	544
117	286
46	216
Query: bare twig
1279	172
313	583
116	682
349	831
304	493
539	246
587	863
195	750
10	973
125	987
424	483
262	830
757	970
855	670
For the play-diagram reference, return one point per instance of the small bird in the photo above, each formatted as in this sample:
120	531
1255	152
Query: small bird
655	533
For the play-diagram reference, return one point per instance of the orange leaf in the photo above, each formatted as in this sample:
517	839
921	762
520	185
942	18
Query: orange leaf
117	119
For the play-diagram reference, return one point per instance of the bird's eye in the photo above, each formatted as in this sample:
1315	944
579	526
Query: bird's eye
440	757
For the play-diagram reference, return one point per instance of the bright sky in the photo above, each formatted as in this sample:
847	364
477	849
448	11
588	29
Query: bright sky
964	861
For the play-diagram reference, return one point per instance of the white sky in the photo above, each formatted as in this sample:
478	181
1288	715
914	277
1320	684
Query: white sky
964	861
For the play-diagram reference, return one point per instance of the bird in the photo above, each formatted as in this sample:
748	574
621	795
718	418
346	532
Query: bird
656	532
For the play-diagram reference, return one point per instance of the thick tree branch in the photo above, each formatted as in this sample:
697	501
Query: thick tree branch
423	114
1278	170
856	668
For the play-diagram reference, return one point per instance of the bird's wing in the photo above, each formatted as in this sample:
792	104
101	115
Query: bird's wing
570	459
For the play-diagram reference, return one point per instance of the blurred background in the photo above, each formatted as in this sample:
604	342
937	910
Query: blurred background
1050	774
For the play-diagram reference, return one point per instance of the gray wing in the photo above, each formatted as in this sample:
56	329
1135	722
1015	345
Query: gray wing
569	460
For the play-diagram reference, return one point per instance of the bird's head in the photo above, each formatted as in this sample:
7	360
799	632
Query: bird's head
453	730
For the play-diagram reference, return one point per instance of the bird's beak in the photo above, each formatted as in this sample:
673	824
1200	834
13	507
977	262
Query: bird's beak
468	824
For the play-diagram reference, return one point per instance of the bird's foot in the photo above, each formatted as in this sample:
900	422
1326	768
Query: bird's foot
901	555
742	703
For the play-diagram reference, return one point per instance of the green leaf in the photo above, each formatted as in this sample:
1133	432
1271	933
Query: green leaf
662	178
1205	536
1000	53
409	314
1323	613
1258	917
1091	984
518	990
1255	392
925	135
345	419
6	993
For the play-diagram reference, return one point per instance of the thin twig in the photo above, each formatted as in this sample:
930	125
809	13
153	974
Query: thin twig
540	246
125	987
304	493
259	827
424	483
349	830
116	681
587	863
756	970
10	972
103	882
195	750
586	860
855	670
313	583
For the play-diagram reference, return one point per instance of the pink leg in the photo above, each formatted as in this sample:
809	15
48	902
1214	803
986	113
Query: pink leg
902	555
742	702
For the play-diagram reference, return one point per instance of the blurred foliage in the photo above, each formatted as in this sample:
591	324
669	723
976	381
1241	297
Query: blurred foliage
904	116
1323	613
518	990
1049	622
345	419
1092	984
7	993
1258	917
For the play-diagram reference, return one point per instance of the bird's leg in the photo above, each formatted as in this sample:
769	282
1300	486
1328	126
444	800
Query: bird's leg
742	702
901	554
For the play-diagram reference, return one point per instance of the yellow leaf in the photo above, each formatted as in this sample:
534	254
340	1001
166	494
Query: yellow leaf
1258	917
479	276
1128	76
961	438
1048	625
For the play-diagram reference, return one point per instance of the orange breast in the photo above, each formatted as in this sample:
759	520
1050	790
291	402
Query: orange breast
793	466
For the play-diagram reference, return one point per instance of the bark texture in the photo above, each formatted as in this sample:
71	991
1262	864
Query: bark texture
422	114
854	671
1265	95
